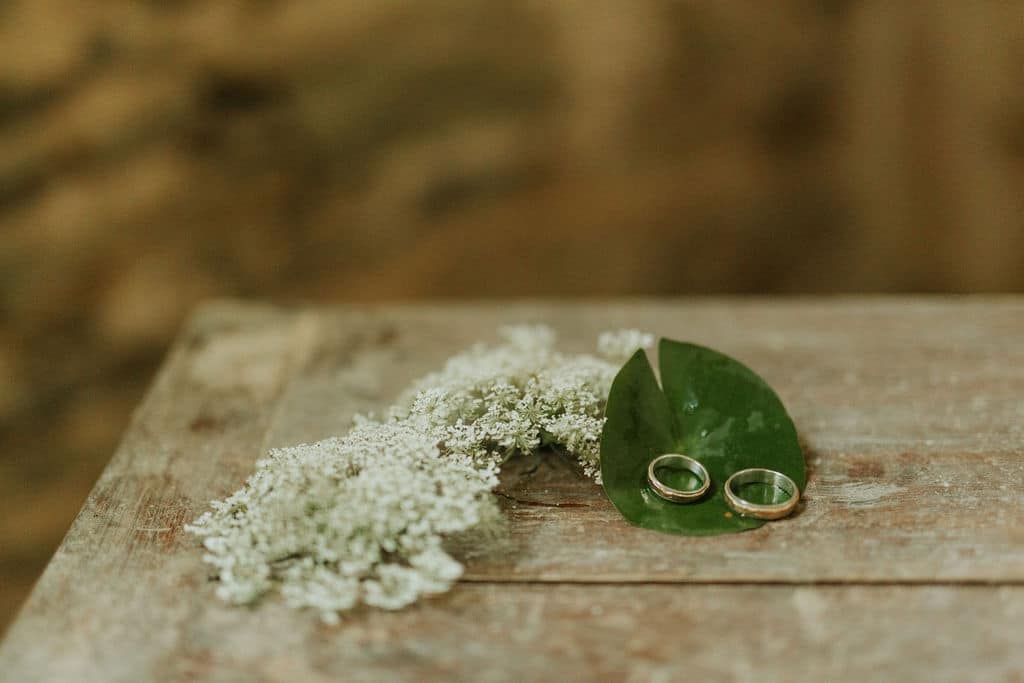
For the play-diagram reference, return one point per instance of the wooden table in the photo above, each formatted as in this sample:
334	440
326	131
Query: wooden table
907	562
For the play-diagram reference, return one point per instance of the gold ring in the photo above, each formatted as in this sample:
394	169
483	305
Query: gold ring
759	475
682	462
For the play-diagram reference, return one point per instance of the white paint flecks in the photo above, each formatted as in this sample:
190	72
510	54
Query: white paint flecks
866	493
811	605
252	360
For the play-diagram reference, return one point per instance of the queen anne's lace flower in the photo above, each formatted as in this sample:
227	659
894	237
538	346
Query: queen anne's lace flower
361	518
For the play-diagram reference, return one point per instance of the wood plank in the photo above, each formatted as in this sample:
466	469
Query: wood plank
125	565
866	518
910	411
911	414
565	633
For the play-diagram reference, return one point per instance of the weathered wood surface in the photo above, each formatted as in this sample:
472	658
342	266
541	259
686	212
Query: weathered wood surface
911	412
602	632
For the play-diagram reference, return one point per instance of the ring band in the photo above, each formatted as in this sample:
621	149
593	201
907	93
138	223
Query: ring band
758	475
683	462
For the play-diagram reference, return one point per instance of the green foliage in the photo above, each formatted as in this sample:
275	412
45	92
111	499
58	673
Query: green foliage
710	407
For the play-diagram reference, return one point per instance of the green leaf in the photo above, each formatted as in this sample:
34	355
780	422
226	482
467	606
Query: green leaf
713	409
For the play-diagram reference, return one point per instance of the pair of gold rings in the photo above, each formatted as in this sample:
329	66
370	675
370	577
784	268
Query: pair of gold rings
733	485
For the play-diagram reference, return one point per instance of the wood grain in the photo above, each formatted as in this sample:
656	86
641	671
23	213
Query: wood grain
911	413
570	633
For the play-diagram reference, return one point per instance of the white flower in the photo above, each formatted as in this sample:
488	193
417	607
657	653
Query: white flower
621	344
361	518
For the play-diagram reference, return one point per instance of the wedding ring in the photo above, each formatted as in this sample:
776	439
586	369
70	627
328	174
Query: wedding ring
679	462
758	475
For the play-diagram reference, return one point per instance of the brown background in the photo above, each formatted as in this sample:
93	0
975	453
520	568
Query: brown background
153	154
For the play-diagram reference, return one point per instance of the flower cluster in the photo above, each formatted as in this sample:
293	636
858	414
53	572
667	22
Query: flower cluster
326	524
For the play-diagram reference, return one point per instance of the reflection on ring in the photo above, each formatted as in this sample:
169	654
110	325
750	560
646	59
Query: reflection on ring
758	475
681	462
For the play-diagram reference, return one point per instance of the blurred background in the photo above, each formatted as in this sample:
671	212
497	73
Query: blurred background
157	153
